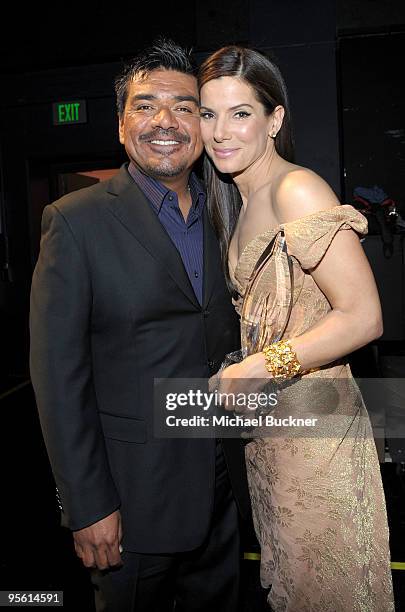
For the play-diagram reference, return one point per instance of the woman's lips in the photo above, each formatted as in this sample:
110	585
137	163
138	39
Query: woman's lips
224	153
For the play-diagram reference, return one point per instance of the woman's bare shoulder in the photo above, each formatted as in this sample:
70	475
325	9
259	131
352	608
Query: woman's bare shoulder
299	192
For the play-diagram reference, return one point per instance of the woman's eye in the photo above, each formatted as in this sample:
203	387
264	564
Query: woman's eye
242	114
206	115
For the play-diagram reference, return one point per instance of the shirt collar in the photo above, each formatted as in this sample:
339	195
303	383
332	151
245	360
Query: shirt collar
156	192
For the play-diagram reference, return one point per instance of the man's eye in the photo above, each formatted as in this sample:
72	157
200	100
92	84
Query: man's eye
183	109
206	115
144	107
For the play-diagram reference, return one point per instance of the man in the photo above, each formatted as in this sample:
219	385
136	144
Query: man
128	288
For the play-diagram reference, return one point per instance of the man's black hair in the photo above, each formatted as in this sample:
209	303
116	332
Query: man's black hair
162	54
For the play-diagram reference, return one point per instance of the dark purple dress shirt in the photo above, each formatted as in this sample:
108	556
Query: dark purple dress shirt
187	236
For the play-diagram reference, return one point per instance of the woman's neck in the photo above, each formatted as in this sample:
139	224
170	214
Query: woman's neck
261	172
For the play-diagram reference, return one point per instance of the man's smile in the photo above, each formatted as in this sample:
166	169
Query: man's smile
164	143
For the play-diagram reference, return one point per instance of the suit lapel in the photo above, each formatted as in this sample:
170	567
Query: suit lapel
131	208
212	259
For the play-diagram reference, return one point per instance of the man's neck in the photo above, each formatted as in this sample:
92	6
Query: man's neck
180	186
177	184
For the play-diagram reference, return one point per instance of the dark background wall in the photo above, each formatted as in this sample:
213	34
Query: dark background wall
337	61
340	61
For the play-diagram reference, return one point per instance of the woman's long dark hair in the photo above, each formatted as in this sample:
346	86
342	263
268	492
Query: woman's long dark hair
255	69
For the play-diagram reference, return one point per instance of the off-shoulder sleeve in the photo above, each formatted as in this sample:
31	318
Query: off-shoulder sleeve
309	238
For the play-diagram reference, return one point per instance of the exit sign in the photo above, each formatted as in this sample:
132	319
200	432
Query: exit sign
68	113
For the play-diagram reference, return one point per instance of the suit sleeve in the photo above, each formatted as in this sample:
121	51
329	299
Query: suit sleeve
61	373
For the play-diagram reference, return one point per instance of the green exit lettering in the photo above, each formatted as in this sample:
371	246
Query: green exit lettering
68	112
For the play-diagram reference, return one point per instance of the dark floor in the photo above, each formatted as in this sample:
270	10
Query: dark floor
35	553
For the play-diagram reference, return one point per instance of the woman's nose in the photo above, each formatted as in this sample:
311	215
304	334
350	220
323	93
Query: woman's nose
221	131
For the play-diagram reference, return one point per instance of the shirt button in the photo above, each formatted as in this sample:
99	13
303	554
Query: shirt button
170	198
195	274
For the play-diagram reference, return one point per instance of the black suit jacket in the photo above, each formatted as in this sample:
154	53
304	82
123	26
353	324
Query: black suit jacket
112	308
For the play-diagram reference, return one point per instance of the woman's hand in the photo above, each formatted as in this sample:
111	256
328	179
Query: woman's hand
240	379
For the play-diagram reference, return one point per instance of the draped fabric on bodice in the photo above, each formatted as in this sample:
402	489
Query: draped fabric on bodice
318	502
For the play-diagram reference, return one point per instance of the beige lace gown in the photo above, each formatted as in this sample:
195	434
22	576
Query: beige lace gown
318	502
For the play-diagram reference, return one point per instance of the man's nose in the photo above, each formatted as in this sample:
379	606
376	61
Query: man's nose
165	119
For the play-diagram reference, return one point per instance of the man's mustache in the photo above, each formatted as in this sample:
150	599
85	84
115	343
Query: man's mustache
159	134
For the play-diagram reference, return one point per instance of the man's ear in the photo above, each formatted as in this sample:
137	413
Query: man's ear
121	129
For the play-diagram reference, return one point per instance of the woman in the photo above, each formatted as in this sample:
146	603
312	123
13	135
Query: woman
308	299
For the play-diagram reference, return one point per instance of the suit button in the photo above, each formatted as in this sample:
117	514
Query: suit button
206	313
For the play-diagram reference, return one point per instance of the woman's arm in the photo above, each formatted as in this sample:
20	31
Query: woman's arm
345	278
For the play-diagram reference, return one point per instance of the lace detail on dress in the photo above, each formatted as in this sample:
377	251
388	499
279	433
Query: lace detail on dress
318	503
